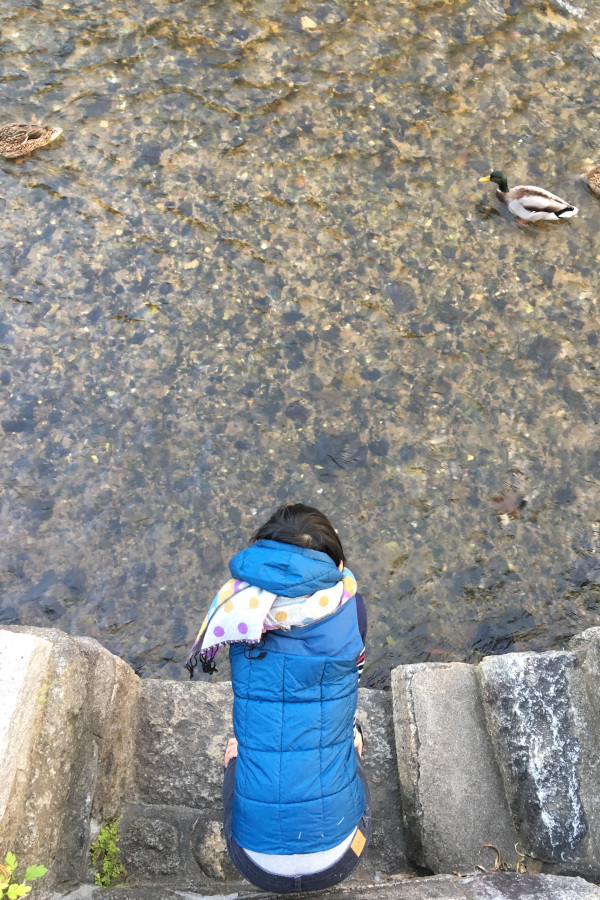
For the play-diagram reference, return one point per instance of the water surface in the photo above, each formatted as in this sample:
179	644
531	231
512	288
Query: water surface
259	267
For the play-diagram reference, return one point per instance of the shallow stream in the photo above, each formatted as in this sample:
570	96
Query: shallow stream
257	267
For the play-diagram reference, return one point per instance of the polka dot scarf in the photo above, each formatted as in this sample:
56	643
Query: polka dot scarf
242	613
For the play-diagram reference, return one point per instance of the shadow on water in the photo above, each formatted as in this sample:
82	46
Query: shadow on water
258	267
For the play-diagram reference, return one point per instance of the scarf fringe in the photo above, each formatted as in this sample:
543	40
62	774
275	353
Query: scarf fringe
208	665
206	658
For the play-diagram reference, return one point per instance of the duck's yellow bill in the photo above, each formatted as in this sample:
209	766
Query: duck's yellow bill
485	178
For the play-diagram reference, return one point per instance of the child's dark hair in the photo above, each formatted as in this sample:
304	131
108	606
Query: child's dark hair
303	526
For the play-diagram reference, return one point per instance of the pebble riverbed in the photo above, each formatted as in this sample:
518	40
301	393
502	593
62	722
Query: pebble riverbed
258	267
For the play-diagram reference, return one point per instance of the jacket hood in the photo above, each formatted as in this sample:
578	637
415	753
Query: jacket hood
285	569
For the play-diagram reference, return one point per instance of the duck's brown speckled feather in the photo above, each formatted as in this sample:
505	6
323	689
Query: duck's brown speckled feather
18	139
592	179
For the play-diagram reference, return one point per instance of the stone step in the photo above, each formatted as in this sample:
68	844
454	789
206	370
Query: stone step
527	706
70	708
499	886
24	668
502	753
453	798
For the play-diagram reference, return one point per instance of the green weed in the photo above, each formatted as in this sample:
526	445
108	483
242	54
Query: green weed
106	855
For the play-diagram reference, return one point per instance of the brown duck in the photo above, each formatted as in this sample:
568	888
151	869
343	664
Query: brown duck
18	141
592	179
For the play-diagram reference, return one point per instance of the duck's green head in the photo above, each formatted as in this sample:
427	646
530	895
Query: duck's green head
499	178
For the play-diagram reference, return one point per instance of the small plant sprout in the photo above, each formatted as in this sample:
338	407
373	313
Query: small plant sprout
106	855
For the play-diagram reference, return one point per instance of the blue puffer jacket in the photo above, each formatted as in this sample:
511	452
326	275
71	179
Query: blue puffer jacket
297	788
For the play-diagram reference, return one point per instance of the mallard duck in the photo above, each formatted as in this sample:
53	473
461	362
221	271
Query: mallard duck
529	203
592	179
18	140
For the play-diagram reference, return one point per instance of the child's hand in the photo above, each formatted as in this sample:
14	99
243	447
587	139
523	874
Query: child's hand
358	742
231	751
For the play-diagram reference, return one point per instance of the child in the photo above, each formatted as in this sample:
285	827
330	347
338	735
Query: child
297	807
